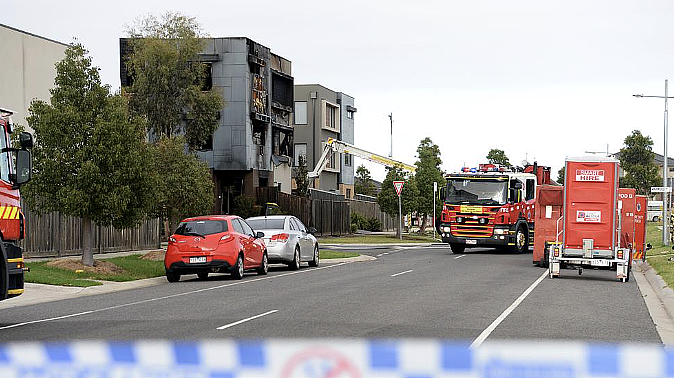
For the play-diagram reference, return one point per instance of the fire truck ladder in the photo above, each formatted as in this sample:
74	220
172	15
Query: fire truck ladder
337	146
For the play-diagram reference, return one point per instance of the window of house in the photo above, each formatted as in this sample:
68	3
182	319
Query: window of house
349	114
348	193
331	161
300	112
348	159
330	116
300	151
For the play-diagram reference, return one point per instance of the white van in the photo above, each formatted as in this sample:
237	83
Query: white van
654	211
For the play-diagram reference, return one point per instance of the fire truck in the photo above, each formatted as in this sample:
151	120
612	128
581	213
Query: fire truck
15	170
490	206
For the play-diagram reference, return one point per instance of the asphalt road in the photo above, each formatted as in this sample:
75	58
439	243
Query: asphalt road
411	292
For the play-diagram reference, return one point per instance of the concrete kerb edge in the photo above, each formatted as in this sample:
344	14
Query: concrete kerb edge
649	281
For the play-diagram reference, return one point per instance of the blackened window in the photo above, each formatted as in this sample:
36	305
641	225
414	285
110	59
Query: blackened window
282	89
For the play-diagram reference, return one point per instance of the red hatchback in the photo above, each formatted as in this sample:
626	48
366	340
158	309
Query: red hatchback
216	243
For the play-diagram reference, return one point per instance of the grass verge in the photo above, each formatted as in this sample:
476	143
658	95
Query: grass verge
658	257
326	255
377	239
134	269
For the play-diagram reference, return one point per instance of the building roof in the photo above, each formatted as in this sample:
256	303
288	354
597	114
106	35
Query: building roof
33	35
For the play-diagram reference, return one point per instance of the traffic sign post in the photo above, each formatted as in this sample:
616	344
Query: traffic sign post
435	191
398	185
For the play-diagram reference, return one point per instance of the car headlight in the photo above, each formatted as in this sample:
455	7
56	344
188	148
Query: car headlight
446	229
500	231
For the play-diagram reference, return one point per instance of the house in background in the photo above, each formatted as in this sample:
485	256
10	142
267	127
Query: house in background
321	113
27	70
253	144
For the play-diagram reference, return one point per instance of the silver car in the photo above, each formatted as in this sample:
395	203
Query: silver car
288	240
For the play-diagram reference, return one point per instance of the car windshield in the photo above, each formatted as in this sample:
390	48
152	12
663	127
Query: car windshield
476	191
266	224
202	227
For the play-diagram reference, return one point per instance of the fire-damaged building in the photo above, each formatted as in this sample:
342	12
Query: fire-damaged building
253	144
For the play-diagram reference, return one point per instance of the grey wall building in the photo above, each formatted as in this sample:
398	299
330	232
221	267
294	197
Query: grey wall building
252	146
27	69
321	113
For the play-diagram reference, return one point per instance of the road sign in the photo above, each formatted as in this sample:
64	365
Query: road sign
399	186
661	189
435	187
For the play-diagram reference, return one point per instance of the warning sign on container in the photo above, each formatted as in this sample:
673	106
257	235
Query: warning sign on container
588	216
589	175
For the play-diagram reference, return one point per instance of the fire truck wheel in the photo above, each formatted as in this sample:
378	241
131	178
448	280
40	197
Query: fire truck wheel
629	273
521	240
457	248
545	260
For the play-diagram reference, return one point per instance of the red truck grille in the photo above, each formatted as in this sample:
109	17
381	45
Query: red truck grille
471	227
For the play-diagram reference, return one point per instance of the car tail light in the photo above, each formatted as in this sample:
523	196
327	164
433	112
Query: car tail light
172	240
226	238
282	238
620	255
556	252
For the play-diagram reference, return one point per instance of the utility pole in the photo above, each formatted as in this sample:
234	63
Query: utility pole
665	195
390	116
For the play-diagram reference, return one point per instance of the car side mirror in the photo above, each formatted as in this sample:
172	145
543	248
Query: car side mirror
442	193
312	230
259	235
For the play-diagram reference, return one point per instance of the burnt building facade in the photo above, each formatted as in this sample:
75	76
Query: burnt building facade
253	144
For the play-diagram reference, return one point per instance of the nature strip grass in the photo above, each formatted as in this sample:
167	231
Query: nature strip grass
327	255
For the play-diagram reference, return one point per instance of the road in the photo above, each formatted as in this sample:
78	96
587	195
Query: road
413	292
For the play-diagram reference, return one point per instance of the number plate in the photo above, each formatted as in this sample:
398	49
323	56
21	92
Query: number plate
470	241
197	260
600	263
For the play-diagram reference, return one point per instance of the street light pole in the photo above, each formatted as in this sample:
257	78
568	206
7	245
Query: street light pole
665	195
390	116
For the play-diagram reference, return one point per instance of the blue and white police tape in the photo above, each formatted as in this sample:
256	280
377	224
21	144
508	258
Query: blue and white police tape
332	359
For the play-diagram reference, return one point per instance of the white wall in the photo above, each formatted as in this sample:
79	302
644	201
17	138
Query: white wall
26	70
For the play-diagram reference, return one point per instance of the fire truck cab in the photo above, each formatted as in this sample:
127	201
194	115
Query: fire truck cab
490	206
15	170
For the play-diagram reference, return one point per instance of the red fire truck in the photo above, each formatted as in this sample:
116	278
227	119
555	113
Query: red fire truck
490	206
15	170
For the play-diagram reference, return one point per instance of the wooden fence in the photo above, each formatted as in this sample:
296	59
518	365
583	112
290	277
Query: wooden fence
328	216
370	209
54	234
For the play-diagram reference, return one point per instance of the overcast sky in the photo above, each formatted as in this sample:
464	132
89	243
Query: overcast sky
539	79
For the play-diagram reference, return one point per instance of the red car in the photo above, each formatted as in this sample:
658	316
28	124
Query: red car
216	243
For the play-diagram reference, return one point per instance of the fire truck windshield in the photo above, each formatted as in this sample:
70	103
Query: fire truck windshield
476	191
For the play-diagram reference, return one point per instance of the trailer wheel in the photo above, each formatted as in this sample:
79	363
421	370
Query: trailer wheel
545	261
521	240
629	273
457	248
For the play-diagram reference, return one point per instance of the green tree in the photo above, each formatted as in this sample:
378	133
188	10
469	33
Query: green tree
301	177
90	154
560	175
185	188
388	198
363	182
428	172
637	160
496	156
168	81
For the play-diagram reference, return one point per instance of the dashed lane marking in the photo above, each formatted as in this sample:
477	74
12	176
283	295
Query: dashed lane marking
401	273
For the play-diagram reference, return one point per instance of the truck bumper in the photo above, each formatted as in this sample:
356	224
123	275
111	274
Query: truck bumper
15	268
479	242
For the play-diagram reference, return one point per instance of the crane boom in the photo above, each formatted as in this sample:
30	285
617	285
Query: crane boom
333	146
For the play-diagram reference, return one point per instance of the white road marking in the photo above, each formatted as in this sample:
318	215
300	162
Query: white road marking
246	320
458	257
398	274
380	255
168	297
385	253
483	336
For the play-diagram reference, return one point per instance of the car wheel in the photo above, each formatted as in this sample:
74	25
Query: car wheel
314	262
172	277
521	240
457	248
295	264
237	273
202	275
264	265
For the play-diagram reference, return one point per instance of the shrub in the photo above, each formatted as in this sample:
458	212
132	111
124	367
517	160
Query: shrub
373	224
244	206
354	228
358	220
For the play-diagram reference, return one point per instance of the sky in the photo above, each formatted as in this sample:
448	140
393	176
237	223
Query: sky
541	80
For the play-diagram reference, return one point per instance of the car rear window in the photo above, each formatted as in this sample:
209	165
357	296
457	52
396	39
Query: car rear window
266	224
202	227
